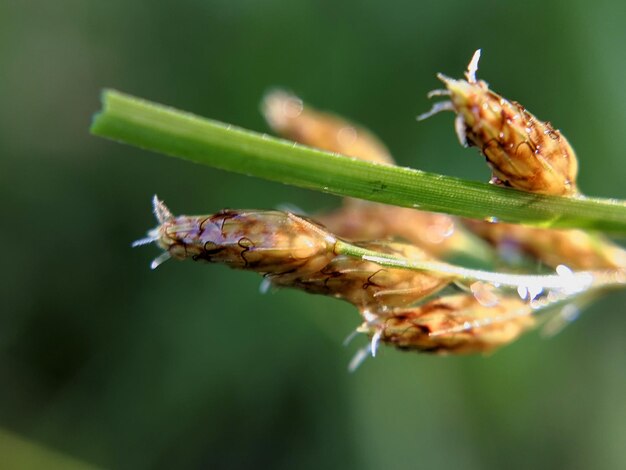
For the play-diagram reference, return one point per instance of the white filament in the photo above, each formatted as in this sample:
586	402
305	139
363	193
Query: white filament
358	358
159	260
437	108
472	67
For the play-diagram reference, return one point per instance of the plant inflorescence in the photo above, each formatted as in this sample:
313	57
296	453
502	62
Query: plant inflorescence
397	265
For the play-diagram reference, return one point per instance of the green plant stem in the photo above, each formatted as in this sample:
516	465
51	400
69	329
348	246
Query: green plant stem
162	129
575	282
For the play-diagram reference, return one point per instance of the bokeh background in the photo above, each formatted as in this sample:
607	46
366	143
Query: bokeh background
106	364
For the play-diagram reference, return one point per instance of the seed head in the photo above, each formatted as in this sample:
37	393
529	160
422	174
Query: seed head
292	251
288	116
457	324
268	242
523	152
577	249
368	285
439	235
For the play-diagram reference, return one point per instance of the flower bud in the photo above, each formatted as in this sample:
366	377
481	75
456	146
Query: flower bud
268	242
457	324
368	285
292	251
577	249
523	152
289	117
438	234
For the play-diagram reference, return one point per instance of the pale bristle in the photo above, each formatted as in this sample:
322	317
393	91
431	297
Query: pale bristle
161	212
143	241
472	67
159	260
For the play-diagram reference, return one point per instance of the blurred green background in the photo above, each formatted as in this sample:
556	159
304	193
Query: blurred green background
189	366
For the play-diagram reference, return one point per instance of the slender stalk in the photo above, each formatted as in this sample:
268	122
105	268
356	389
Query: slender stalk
166	130
565	279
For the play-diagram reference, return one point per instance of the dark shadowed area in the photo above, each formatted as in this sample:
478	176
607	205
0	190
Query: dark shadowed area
106	364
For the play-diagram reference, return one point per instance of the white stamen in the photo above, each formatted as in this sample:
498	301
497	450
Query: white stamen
534	291
358	358
159	260
472	67
522	291
563	270
437	108
143	241
375	341
153	235
265	286
438	92
161	212
350	337
459	128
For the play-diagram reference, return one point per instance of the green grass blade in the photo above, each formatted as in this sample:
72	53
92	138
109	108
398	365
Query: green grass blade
166	130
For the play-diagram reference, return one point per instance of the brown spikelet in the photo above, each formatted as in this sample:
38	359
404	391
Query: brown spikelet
366	284
268	242
457	324
291	251
577	249
522	151
289	117
438	234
